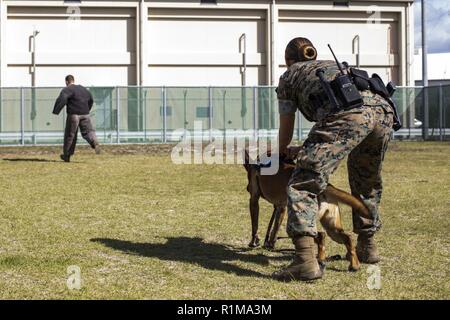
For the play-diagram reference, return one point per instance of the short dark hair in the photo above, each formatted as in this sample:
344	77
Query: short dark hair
70	78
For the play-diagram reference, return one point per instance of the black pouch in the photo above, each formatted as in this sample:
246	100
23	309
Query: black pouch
377	86
360	78
317	101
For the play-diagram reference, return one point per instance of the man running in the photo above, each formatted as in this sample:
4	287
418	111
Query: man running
79	102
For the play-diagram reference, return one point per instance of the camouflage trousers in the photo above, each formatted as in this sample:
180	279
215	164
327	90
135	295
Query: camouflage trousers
363	134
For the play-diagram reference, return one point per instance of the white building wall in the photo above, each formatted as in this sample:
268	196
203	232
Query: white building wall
438	66
96	44
202	47
184	43
378	43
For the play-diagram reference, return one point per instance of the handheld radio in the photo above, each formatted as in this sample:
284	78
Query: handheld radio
344	88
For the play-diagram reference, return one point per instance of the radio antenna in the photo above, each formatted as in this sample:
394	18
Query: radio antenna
335	59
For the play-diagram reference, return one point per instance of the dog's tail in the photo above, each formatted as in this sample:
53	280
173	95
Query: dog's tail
350	200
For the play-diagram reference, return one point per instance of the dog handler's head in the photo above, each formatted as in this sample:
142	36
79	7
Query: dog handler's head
298	50
70	80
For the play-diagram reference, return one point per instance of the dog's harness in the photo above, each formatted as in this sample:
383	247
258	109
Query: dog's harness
268	164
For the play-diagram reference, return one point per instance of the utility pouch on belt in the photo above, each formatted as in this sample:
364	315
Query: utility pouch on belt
360	78
377	86
344	91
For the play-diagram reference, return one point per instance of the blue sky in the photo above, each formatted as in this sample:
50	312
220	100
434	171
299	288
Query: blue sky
438	24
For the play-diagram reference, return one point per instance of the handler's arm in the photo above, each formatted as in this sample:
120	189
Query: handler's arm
286	109
287	123
61	101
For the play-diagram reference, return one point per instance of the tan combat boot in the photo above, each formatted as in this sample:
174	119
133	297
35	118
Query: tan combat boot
305	266
366	250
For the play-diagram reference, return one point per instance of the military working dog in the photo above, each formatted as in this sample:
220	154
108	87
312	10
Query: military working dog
273	189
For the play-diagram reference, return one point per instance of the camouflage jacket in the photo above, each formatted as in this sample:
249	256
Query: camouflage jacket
300	81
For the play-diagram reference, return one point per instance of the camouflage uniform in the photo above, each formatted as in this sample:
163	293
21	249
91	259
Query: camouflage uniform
362	134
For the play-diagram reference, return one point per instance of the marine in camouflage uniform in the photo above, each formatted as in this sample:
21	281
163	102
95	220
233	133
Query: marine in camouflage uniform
361	133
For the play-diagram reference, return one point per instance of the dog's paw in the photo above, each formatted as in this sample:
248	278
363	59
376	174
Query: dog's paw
336	257
322	265
254	243
269	246
353	268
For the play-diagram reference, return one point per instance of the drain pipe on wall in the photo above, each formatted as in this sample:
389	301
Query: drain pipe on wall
424	72
1	29
355	44
273	36
139	63
142	16
243	50
1	69
408	63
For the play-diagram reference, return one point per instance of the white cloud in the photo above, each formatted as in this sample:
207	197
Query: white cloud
438	24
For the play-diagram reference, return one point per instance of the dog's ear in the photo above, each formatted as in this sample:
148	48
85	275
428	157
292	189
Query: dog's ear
246	157
246	160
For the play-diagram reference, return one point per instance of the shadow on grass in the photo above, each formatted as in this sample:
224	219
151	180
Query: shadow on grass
211	256
334	269
29	160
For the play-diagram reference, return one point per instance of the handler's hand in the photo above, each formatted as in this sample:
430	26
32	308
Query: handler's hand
292	152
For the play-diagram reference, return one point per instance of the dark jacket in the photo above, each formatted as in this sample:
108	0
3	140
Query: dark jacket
77	98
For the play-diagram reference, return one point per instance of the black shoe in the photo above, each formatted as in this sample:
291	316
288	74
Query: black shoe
65	158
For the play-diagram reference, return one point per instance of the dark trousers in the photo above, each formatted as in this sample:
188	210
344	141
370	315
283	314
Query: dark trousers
74	122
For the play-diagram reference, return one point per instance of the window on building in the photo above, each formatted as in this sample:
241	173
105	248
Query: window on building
208	1
202	112
168	111
342	3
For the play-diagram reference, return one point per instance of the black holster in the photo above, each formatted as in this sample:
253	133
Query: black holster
377	86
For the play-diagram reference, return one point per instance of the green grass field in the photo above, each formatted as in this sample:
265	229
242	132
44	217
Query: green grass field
140	227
